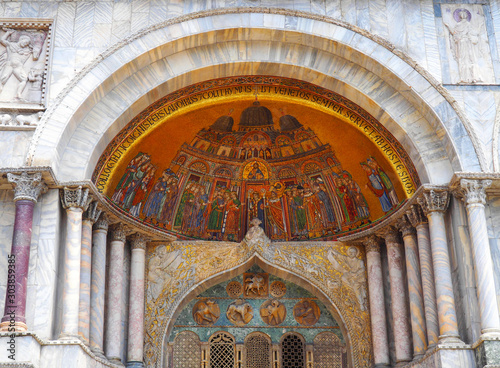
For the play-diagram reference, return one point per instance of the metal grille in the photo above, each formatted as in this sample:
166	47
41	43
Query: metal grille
222	351
187	350
257	351
234	289
292	352
328	351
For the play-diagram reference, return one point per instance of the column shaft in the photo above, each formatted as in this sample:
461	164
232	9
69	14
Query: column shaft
99	236
377	305
85	276
398	299
114	295
136	303
429	291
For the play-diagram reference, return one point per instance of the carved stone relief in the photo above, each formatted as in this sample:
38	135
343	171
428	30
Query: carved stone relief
256	285
273	312
234	289
467	44
306	312
277	289
206	312
239	312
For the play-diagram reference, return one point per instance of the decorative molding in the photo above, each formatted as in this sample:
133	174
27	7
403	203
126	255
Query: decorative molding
404	225
27	186
102	222
118	232
474	191
372	244
92	213
434	201
416	216
138	241
75	197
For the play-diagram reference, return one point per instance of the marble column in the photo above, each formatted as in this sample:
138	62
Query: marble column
114	294
475	199
90	216
417	316
98	282
27	188
398	296
377	305
434	204
74	201
419	221
136	302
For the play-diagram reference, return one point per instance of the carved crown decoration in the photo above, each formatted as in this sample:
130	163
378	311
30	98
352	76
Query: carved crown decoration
474	191
27	186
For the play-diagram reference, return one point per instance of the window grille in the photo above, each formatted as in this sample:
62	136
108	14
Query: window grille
258	349
329	352
186	350
292	352
222	350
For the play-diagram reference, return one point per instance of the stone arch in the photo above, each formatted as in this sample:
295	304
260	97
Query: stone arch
288	274
388	84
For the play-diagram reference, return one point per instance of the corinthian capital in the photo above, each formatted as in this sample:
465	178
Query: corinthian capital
138	241
118	232
474	191
92	213
434	201
390	235
27	186
416	216
372	244
405	226
75	197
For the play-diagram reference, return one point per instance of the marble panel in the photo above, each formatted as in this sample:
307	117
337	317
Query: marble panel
27	349
7	215
64	26
12	9
84	23
333	9
14	147
348	9
29	10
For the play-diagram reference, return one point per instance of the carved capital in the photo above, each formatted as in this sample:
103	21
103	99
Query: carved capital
118	233
390	235
27	186
75	197
372	244
474	191
416	216
138	241
92	213
102	222
404	225
433	201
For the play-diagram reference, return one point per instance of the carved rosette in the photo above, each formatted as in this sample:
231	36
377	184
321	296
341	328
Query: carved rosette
75	197
404	225
27	186
102	222
372	244
138	241
92	213
118	232
416	216
474	191
434	201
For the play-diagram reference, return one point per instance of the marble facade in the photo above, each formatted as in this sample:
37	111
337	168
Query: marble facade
73	74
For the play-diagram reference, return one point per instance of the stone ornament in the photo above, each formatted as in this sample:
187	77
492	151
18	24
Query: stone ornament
273	312
404	225
138	241
277	289
474	191
118	233
239	312
102	222
13	121
255	285
27	186
306	312
75	197
434	201
465	28
92	213
206	312
372	244
416	216
234	289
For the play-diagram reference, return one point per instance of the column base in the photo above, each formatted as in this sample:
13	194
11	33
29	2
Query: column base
18	327
450	340
69	336
99	353
490	333
135	365
116	361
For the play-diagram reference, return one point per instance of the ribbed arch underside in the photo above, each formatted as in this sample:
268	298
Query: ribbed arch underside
129	77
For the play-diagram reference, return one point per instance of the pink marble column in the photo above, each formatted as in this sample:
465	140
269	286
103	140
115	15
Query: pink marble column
434	204
90	216
419	221
27	188
399	307
417	316
114	294
136	302
74	201
377	305
475	199
97	296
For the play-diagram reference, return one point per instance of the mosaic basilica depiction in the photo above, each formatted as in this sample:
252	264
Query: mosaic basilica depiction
250	184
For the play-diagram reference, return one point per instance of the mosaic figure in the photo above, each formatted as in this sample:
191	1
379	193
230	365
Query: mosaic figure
377	187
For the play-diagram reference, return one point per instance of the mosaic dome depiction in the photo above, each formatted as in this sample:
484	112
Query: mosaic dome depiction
306	162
